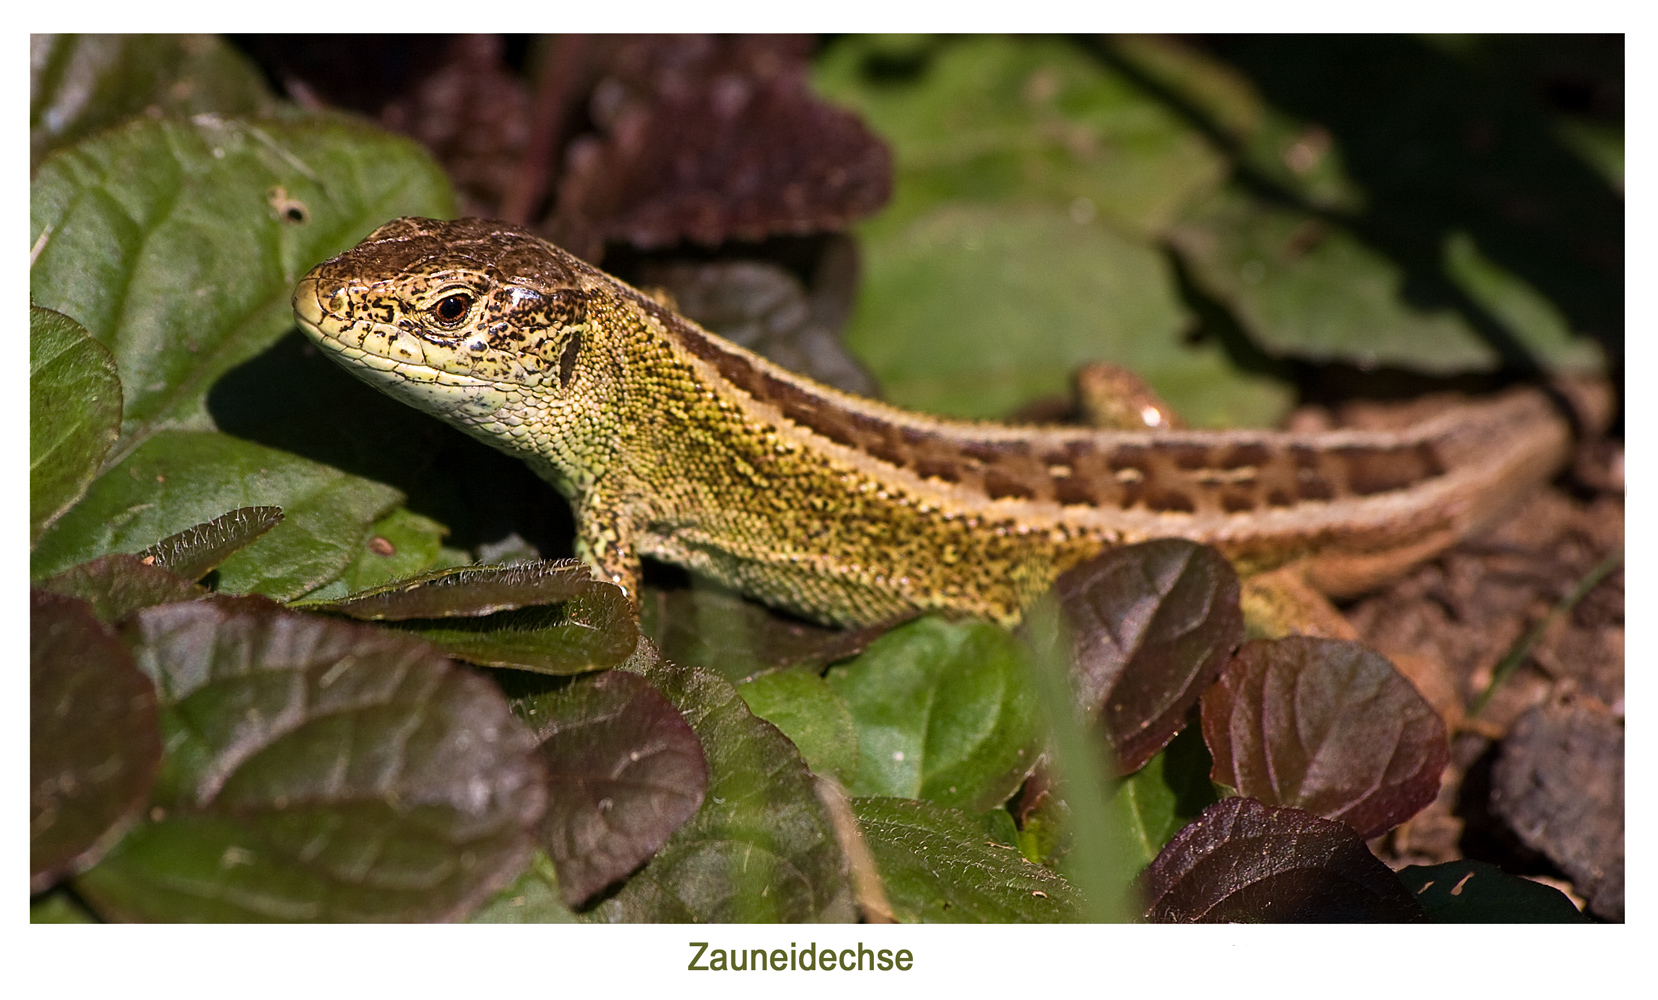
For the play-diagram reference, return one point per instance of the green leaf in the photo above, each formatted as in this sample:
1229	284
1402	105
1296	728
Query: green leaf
624	771
399	545
938	866
1303	286
1158	800
1521	309
317	770
179	479
532	899
468	592
94	745
944	712
573	638
79	84
1023	295
762	847
995	118
197	551
74	414
1030	180
811	715
177	244
715	629
1474	892
58	907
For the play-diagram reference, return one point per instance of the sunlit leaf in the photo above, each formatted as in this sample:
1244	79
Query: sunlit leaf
179	479
532	899
74	414
79	84
944	712
400	545
196	551
811	715
938	866
177	244
550	616
761	848
1159	799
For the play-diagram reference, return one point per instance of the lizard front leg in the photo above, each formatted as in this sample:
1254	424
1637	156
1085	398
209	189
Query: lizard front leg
605	542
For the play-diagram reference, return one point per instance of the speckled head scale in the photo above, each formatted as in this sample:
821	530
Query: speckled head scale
468	298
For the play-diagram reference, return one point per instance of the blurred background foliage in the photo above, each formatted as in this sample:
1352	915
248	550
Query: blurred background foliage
1248	222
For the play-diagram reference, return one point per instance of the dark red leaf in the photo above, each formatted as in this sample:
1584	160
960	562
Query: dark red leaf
94	744
467	592
1151	627
473	114
118	585
624	771
503	616
1243	862
1327	726
706	139
317	770
196	551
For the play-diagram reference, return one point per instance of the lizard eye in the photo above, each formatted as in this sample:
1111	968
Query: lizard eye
451	310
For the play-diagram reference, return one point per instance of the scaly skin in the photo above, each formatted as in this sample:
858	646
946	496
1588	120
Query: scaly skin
672	443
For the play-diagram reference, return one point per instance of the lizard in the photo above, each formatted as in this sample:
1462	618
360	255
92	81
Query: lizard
672	443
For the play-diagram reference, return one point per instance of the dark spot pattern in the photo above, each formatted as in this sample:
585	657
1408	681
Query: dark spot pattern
567	359
1172	472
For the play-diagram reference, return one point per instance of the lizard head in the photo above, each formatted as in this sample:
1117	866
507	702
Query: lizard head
477	322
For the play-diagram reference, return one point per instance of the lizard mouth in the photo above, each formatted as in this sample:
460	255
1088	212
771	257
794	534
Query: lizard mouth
363	344
323	325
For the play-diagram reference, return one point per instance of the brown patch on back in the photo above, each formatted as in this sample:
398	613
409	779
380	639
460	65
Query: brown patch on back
1178	474
1371	471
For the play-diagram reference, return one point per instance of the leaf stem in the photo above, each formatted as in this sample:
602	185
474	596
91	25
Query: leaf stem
1521	649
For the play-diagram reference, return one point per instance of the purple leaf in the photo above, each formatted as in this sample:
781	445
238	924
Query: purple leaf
1243	862
94	745
1327	726
1152	625
317	770
624	771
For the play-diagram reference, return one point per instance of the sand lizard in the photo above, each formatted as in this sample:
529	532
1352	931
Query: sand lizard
673	443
